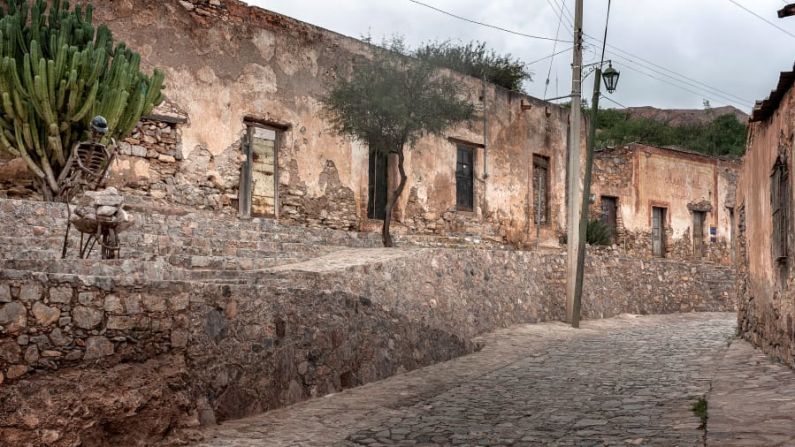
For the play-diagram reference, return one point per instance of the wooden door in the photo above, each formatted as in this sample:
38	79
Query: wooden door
698	233
609	214
658	232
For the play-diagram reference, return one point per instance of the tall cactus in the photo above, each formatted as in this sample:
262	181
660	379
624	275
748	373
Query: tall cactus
57	71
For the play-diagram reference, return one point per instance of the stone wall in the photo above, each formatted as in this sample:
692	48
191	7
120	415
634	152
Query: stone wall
765	283
181	353
641	177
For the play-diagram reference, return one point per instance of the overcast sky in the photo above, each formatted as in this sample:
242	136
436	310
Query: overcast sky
714	42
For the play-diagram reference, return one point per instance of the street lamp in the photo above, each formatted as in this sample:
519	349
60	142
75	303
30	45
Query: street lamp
611	78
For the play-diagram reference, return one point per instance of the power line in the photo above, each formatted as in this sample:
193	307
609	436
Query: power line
689	84
627	54
554	47
566	13
731	103
549	57
613	101
487	25
763	19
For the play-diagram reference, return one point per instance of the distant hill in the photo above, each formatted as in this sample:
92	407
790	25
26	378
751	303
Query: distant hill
685	117
712	131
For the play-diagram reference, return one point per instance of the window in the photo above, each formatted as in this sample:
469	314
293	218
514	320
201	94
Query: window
780	204
465	179
540	189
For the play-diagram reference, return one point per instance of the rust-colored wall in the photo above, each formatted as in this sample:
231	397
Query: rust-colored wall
226	62
766	305
644	176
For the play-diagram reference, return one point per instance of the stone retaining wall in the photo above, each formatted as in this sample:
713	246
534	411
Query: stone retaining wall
185	353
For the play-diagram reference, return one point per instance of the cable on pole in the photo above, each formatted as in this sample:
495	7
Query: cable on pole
487	25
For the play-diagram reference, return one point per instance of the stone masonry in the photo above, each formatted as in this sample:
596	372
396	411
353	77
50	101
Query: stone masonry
195	333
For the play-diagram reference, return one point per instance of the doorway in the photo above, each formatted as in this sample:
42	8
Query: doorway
658	231
258	192
610	215
699	217
377	184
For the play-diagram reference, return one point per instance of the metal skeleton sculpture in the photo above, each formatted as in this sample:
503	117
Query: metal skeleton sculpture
87	170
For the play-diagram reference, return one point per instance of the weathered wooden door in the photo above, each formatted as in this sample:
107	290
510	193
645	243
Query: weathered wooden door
609	214
698	233
658	232
263	171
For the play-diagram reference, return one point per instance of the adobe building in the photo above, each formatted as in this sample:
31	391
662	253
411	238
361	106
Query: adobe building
765	226
666	202
243	132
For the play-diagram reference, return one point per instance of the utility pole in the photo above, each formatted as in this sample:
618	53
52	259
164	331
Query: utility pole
586	201
575	185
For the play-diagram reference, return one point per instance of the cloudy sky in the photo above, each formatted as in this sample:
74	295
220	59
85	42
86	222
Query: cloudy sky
713	49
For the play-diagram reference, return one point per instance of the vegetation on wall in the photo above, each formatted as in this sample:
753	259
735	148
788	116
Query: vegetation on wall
724	135
57	71
389	102
476	60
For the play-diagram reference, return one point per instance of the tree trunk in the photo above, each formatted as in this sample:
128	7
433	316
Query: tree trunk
386	237
47	194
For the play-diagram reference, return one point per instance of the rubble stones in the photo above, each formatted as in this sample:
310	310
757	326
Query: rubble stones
5	293
16	371
45	315
86	317
98	347
13	316
61	295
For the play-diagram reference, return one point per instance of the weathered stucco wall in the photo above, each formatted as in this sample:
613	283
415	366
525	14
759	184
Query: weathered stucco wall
766	305
642	177
226	62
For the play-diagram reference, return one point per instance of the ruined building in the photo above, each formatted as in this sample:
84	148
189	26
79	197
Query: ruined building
208	316
666	202
243	133
765	225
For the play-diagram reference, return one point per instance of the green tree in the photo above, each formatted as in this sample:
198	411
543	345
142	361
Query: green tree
475	60
57	71
389	102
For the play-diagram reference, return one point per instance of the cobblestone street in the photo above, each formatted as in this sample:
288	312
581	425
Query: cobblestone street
631	380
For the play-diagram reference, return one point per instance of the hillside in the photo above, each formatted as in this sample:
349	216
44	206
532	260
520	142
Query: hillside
719	131
685	117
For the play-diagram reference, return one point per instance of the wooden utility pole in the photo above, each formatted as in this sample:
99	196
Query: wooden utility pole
575	178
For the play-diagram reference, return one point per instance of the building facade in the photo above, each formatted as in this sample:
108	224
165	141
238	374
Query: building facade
666	202
245	88
765	226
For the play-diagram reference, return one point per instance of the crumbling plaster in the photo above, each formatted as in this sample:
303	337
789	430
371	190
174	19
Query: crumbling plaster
644	176
766	310
227	61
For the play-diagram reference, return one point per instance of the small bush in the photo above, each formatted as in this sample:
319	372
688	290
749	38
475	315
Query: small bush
598	233
701	410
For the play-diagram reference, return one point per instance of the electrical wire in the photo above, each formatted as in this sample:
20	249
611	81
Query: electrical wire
554	47
613	101
763	19
487	25
659	69
719	102
548	57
